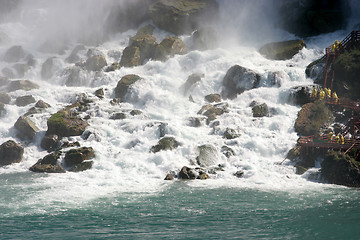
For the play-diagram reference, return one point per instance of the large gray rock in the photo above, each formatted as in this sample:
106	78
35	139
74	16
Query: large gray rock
146	44
24	100
282	50
183	16
131	57
10	152
239	79
124	84
260	110
26	127
21	85
95	63
14	54
169	47
166	143
75	76
48	164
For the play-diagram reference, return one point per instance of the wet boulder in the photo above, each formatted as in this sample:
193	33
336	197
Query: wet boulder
183	16
215	97
239	79
10	152
260	110
24	100
74	76
49	164
340	168
231	133
164	144
300	95
191	81
42	104
227	151
131	57
124	84
212	111
26	127
50	142
207	155
49	67
146	44
312	117
282	50
187	173
95	63
14	54
169	47
75	159
21	85
64	123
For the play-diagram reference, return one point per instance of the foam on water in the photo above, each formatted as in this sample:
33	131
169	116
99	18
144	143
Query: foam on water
123	162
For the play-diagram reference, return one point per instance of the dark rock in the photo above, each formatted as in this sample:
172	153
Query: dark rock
300	95
74	157
192	80
67	144
169	47
131	57
239	174
26	127
21	85
340	168
50	142
117	116
312	117
261	110
282	50
114	66
169	176
65	124
213	98
48	164
24	100
183	16
10	152
164	144
208	155
227	151
239	79
145	30
124	84
5	98
146	44
42	104
231	133
99	93
86	165
212	111
195	121
14	54
187	173
135	112
95	63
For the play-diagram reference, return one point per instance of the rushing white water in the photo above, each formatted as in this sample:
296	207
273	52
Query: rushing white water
123	162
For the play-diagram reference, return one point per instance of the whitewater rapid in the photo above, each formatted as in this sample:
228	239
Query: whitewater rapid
123	162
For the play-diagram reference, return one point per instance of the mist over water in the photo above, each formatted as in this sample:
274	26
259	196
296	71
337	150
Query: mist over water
123	163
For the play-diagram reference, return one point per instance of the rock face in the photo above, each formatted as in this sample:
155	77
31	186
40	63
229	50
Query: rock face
182	16
166	143
124	84
10	152
169	47
239	79
309	18
282	50
312	117
65	124
339	168
22	85
26	127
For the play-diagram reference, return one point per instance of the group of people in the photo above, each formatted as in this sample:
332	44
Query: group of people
336	46
339	138
324	94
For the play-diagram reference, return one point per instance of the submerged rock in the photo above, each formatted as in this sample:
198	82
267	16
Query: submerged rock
10	152
208	155
260	110
95	63
48	164
166	143
239	79
282	50
191	81
169	47
77	156
187	173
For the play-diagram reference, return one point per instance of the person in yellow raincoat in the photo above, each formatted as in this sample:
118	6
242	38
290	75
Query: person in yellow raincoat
328	93
321	94
335	97
341	139
314	93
